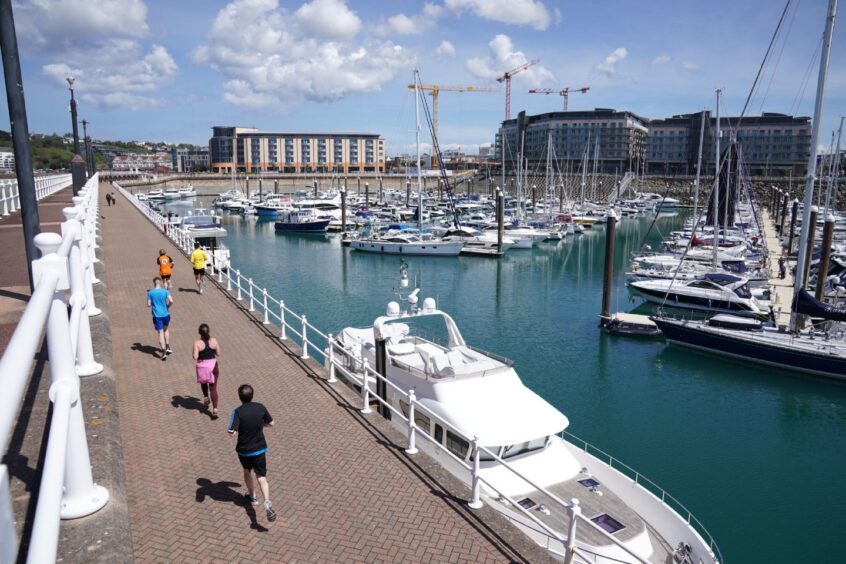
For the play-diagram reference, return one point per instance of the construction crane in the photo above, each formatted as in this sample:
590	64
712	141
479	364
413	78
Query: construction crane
506	78
434	90
563	93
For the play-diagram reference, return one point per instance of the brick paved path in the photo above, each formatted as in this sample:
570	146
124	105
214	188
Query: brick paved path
343	492
14	281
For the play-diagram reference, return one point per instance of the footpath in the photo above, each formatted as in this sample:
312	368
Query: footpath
341	484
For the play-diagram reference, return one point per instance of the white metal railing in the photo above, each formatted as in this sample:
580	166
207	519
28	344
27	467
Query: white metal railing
62	276
10	196
340	360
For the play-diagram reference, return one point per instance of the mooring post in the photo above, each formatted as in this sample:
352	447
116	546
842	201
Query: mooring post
825	259
500	218
381	384
812	231
610	236
343	210
794	212
783	215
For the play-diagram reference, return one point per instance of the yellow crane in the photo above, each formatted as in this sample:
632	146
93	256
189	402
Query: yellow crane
435	89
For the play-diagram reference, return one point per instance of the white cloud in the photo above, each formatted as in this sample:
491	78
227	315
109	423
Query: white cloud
98	44
53	25
690	65
445	49
503	57
119	76
608	66
433	10
272	58
662	59
324	18
401	24
517	12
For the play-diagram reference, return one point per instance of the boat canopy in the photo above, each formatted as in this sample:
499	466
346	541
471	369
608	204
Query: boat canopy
498	409
721	279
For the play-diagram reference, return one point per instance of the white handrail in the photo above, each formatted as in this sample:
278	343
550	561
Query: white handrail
270	307
10	198
67	489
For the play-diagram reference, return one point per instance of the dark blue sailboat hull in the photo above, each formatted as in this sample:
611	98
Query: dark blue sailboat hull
734	345
309	227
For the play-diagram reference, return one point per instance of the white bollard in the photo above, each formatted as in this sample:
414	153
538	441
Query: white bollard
282	335
305	339
264	295
365	391
412	399
84	353
238	283
331	341
476	500
252	305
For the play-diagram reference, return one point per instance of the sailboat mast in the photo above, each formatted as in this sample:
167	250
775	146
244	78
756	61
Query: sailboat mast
546	202
584	170
417	133
698	169
812	157
715	239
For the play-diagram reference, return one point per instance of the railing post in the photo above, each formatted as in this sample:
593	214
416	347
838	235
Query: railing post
85	252
238	283
81	496
282	335
219	273
252	304
476	491
229	280
5	201
412	400
264	297
305	338
331	342
365	390
574	511
12	187
84	353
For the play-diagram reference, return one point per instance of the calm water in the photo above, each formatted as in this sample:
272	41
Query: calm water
757	454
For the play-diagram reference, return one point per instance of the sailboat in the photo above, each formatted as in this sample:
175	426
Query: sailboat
406	241
818	350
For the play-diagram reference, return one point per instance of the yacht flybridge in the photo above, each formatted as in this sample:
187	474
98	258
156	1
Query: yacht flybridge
475	417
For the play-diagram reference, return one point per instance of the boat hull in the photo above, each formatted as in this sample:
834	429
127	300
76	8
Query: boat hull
732	344
319	226
408	249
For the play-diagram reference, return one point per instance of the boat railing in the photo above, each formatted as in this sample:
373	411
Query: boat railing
66	489
342	360
651	487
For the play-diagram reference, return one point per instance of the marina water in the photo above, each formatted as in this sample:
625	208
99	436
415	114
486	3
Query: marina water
758	455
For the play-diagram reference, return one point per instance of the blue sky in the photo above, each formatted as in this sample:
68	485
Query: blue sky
170	70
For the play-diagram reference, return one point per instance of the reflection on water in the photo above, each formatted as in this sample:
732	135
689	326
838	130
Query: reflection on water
730	440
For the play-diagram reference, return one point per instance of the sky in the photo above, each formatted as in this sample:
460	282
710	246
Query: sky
170	70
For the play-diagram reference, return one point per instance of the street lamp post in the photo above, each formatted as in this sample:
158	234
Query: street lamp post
89	149
77	164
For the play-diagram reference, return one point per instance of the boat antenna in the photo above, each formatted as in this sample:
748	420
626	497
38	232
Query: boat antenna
798	281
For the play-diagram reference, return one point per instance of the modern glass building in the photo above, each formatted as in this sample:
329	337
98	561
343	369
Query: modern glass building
617	139
770	144
250	150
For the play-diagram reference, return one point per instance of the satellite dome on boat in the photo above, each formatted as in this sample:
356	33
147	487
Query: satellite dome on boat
429	305
393	309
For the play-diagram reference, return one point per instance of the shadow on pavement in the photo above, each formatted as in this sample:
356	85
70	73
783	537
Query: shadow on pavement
147	349
225	492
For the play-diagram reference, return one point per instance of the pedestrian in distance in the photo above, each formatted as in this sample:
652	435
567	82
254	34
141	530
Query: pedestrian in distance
114	201
159	301
108	199
165	264
206	353
247	425
782	268
198	260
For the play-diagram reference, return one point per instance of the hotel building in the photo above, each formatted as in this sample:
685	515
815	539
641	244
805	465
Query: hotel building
250	150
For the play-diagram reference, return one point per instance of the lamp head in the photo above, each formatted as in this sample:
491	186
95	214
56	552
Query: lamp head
70	80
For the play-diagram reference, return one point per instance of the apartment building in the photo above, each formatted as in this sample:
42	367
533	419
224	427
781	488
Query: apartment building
250	150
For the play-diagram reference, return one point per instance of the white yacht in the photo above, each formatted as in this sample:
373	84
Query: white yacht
187	192
171	194
408	242
471	410
155	194
712	292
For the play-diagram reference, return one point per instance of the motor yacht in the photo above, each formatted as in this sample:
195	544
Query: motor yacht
712	292
471	410
407	242
302	221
